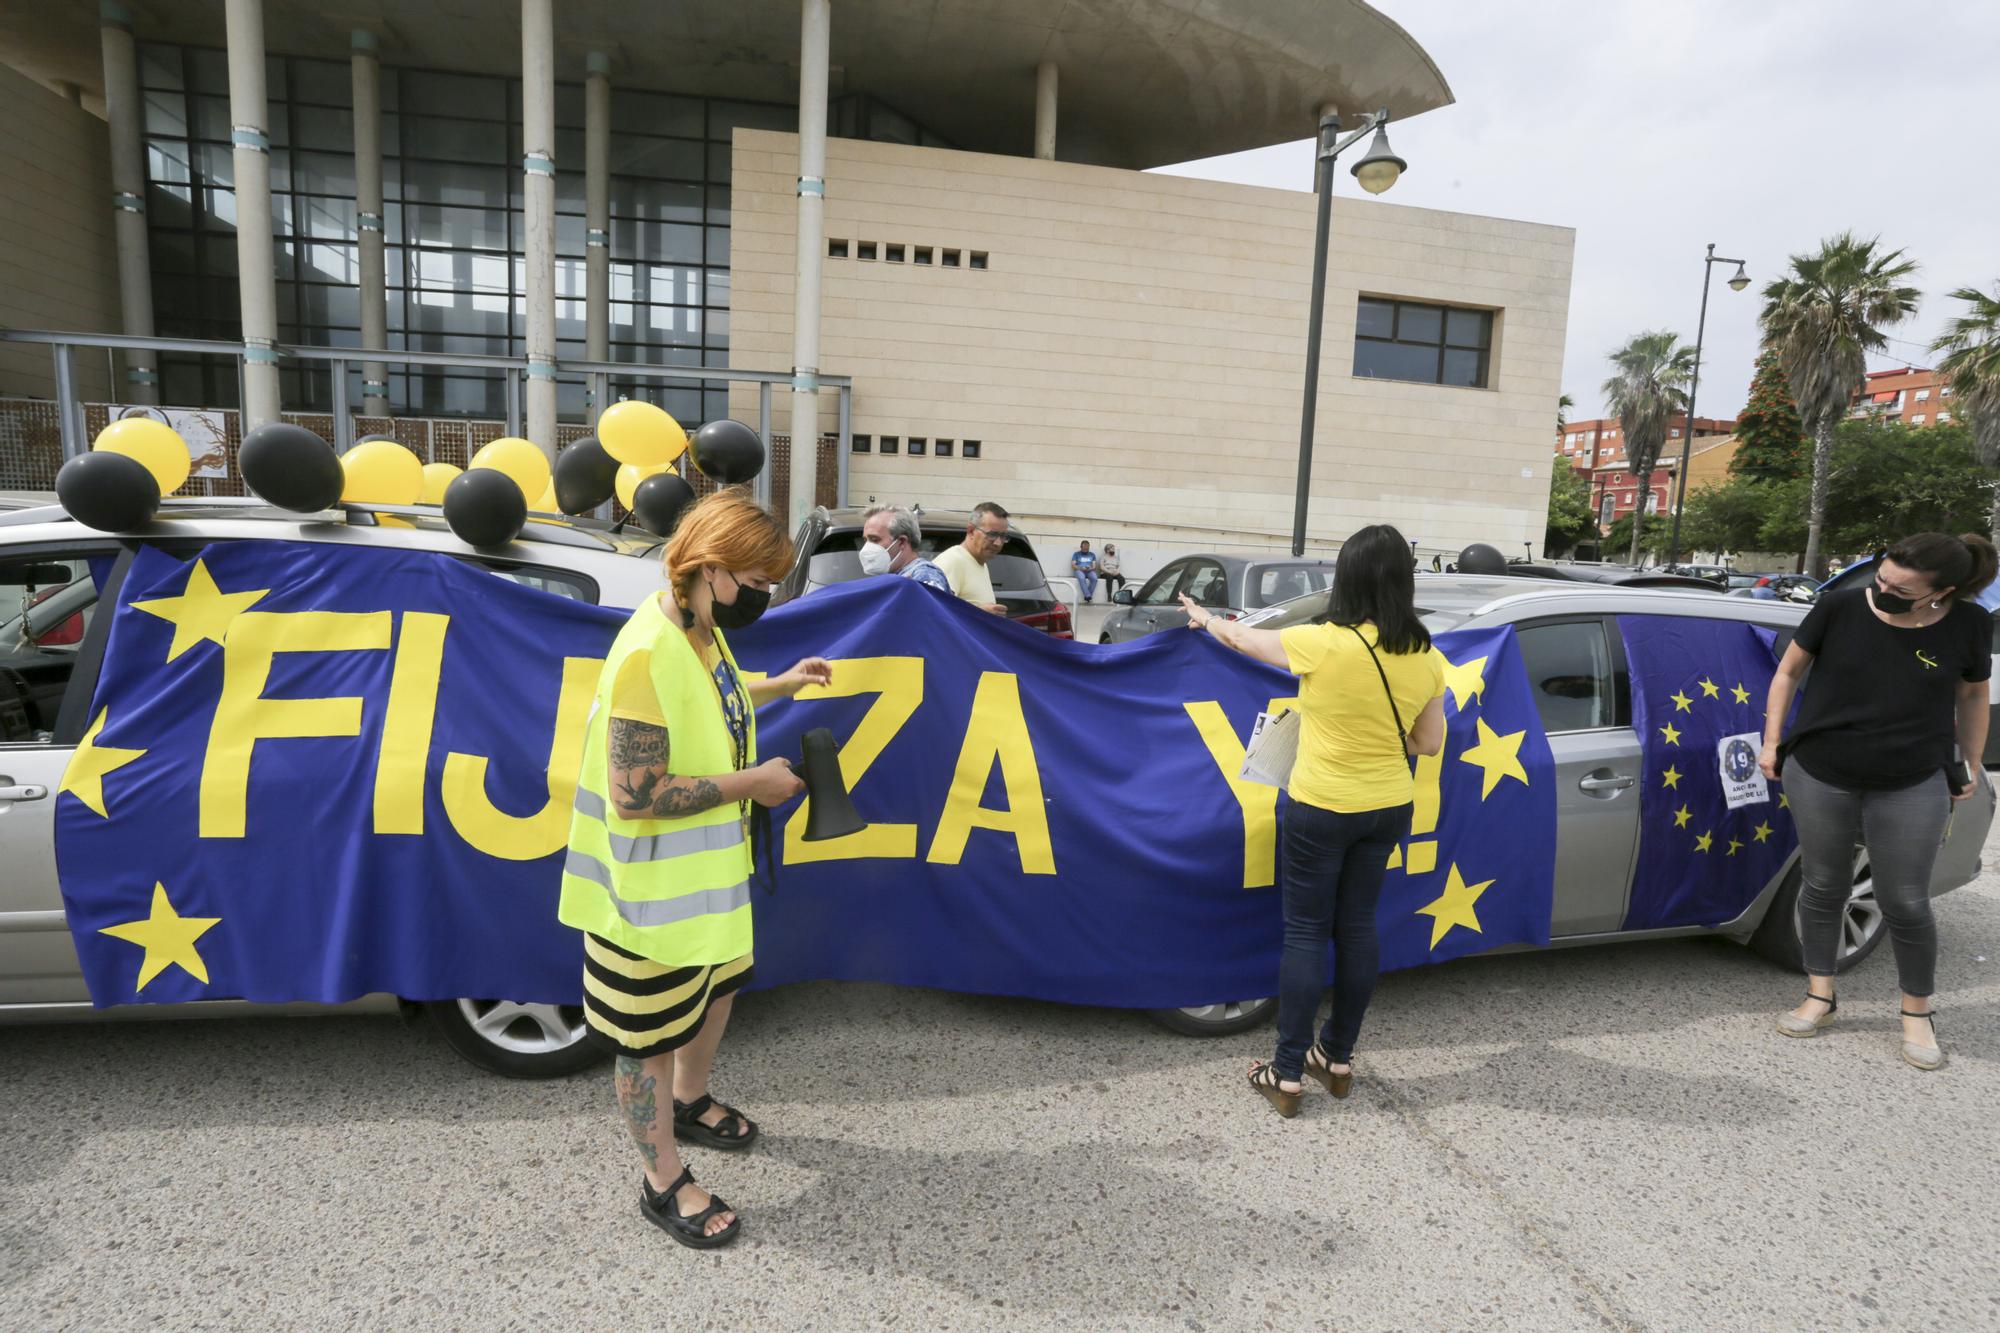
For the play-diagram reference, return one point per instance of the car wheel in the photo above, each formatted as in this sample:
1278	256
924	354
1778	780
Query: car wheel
1217	1020
1861	927
516	1040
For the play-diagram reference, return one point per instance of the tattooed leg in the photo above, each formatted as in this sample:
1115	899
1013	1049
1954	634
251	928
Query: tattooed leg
638	1083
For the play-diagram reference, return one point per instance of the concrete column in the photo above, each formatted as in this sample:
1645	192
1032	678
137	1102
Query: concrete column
128	198
368	208
256	269
1045	111
815	28
597	211
538	195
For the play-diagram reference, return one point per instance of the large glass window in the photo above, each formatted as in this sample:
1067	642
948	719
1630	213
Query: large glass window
1425	344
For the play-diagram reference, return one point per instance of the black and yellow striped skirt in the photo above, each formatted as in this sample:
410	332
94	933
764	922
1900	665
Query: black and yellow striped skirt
637	1008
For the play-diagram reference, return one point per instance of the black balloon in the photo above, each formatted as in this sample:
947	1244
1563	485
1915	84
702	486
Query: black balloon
586	476
728	451
291	467
1479	558
485	507
107	491
658	501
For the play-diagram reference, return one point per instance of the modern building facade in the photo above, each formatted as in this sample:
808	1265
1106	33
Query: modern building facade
958	223
1590	445
1914	395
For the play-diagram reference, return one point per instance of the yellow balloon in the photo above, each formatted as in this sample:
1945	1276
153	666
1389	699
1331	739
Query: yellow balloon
381	472
152	444
629	477
518	459
639	433
437	476
545	503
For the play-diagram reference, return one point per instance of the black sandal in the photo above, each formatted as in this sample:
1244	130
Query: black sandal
661	1210
733	1133
1264	1078
1319	1064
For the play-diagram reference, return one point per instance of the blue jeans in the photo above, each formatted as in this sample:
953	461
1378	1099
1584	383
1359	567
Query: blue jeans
1086	583
1334	865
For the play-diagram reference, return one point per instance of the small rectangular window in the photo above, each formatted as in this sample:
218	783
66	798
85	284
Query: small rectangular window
836	249
922	255
1923	395
944	446
862	444
1422	344
892	254
864	249
977	259
1917	420
951	259
918	446
891	444
970	449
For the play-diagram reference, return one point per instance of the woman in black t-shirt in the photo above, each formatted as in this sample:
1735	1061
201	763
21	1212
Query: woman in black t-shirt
1899	671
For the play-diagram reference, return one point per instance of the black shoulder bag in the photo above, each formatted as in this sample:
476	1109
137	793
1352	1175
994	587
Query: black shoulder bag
1394	711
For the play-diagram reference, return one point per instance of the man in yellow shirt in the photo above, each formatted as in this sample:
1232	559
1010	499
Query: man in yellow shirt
964	565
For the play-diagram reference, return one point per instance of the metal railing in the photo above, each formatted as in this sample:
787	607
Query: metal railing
596	374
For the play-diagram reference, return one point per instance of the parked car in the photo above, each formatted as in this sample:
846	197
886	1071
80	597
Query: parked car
48	606
1716	574
1231	585
1802	588
1623	576
829	544
1568	634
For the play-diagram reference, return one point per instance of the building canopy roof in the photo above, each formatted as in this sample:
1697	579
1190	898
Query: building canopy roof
1143	82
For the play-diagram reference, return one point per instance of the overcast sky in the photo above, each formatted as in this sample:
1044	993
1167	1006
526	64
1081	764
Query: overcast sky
1654	129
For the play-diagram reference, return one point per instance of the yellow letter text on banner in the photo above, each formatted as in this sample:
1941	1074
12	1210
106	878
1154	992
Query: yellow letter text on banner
996	732
406	730
243	716
526	837
1257	802
898	686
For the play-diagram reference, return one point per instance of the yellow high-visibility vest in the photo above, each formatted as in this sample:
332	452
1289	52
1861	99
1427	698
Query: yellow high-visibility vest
676	891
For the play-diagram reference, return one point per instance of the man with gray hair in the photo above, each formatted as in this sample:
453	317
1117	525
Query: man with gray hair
890	541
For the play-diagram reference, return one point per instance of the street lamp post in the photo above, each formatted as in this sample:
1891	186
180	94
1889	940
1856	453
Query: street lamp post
1737	282
1376	172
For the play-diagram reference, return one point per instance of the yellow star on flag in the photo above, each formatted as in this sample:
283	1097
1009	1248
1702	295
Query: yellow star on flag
1682	816
1465	682
202	611
1454	907
1672	733
168	939
1742	695
1762	833
1497	757
1682	703
1734	846
1672	777
84	776
1784	801
1703	841
1709	689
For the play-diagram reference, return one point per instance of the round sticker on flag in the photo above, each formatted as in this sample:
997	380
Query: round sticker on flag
1742	781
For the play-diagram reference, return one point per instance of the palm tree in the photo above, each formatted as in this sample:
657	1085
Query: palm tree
1972	369
1824	317
1649	387
1563	405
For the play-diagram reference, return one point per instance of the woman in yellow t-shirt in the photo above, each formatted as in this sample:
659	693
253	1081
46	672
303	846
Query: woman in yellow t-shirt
1371	694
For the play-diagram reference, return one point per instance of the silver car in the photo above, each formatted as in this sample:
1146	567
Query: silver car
52	642
1568	634
1230	585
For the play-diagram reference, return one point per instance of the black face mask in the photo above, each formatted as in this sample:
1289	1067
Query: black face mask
1894	605
750	603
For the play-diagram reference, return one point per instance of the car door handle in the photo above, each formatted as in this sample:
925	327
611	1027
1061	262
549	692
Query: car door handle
27	791
1605	782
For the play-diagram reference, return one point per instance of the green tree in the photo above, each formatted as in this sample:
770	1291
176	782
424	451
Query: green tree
1649	541
1971	367
1570	517
1725	518
1824	317
1894	480
1563	405
1647	386
1771	444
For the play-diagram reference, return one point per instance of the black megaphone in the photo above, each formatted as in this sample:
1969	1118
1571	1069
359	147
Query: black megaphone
832	813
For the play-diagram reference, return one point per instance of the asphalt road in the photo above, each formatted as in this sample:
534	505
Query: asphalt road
1600	1138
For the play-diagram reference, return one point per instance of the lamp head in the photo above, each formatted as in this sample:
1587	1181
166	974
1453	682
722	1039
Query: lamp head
1381	168
1739	279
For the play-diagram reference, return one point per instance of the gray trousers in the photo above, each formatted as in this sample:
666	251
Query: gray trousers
1902	831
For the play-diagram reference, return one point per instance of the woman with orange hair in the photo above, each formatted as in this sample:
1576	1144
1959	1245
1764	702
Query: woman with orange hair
658	871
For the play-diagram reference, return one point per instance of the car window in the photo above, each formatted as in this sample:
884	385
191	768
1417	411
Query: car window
1569	673
540	577
47	605
1208	585
1271	584
1159	589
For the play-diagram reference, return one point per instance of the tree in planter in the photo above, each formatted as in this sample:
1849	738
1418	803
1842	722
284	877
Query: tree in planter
1771	444
1971	367
1824	317
1648	385
1570	516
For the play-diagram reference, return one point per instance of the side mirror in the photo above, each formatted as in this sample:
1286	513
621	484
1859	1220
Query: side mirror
1124	597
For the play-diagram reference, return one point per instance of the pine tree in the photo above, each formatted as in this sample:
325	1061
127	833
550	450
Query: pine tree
1771	441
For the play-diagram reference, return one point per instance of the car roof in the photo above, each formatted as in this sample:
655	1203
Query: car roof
1482	595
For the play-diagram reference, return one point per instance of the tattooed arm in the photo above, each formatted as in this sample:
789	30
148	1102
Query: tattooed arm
643	787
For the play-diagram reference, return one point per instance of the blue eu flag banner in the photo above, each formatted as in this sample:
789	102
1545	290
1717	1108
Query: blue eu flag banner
1713	832
313	772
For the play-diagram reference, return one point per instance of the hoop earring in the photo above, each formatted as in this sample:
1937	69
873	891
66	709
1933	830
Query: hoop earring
1936	605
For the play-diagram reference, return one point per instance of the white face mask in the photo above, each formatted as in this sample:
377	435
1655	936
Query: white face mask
874	559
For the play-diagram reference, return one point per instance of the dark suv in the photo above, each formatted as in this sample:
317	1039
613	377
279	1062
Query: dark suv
829	540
